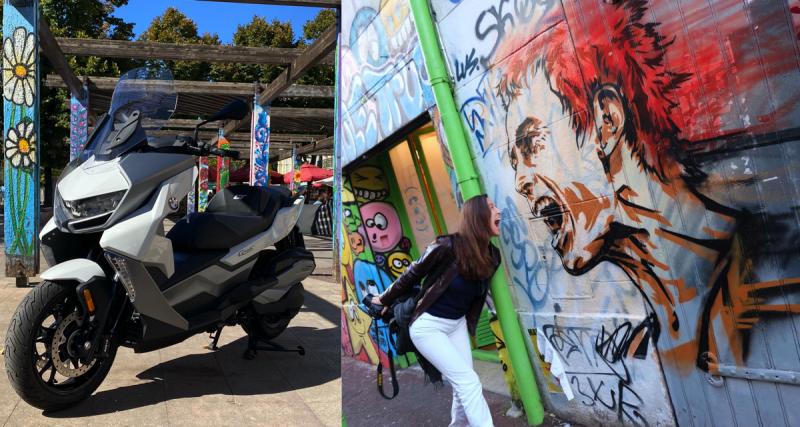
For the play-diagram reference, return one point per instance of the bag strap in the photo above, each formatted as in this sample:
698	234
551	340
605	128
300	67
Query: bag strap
395	386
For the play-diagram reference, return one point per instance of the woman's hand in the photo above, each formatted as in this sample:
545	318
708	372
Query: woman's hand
376	300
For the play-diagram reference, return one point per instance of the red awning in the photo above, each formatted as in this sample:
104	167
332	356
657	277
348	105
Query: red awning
309	173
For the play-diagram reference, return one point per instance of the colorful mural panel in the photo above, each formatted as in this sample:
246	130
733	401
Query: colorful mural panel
376	247
20	133
644	154
259	145
202	184
223	163
78	125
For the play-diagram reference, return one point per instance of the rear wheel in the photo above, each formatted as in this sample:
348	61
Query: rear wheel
45	350
268	326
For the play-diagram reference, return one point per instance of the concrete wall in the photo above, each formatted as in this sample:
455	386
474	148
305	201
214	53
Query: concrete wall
645	157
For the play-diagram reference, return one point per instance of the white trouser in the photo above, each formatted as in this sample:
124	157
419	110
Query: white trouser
445	343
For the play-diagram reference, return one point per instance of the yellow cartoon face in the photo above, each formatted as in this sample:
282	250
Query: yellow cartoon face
398	262
369	184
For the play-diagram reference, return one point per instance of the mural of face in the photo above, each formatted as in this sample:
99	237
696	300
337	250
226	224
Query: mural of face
398	263
369	184
571	201
381	225
356	242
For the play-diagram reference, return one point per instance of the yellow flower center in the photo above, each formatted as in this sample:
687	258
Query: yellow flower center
24	146
20	71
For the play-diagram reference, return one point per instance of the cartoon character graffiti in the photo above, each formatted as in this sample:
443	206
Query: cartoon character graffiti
369	184
398	263
381	226
356	241
592	124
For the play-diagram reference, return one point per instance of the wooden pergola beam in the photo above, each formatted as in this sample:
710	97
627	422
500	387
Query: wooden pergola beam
321	48
203	88
310	3
56	57
313	147
107	48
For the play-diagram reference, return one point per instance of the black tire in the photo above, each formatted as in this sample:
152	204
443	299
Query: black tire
268	326
25	331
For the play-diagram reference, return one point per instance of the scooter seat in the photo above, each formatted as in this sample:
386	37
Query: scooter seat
233	215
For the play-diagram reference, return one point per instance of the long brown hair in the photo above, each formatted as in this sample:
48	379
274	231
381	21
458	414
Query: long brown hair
471	243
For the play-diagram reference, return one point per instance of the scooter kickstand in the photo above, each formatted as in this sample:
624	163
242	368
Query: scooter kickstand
214	336
253	346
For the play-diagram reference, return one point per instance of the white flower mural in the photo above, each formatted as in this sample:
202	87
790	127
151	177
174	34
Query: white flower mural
20	145
19	67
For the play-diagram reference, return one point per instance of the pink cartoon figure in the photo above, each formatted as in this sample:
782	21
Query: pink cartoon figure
381	226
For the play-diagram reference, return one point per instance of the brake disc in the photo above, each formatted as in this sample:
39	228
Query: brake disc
66	366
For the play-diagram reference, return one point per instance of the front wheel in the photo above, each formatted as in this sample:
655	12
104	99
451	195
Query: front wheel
45	350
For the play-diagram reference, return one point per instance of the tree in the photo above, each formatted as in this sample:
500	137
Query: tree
175	27
322	74
257	33
76	18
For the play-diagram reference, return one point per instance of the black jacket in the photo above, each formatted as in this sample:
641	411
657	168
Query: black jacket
438	268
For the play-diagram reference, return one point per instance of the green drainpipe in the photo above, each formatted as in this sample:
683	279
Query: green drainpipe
470	186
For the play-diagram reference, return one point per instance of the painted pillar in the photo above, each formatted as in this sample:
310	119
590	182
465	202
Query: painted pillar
337	157
470	186
78	122
202	193
294	171
223	163
20	132
191	198
259	145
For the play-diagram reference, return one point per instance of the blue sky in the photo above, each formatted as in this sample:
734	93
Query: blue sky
214	17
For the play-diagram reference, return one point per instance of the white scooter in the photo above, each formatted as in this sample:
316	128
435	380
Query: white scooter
118	279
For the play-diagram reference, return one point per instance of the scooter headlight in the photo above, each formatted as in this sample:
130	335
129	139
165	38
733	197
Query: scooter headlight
92	206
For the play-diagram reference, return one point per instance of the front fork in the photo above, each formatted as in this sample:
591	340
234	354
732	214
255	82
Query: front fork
98	299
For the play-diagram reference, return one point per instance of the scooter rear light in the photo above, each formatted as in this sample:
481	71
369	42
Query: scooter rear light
120	266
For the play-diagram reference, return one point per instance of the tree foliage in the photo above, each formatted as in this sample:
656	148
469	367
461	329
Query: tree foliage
323	74
257	33
84	19
175	27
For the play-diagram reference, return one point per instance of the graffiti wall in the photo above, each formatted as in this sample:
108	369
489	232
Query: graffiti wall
645	157
376	246
382	75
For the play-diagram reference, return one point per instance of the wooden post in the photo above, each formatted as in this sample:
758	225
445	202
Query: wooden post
259	145
78	122
223	163
21	137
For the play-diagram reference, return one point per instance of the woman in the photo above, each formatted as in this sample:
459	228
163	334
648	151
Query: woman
450	303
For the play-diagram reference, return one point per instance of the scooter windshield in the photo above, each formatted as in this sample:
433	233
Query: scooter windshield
144	99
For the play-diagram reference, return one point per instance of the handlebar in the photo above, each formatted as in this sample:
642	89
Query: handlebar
205	149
